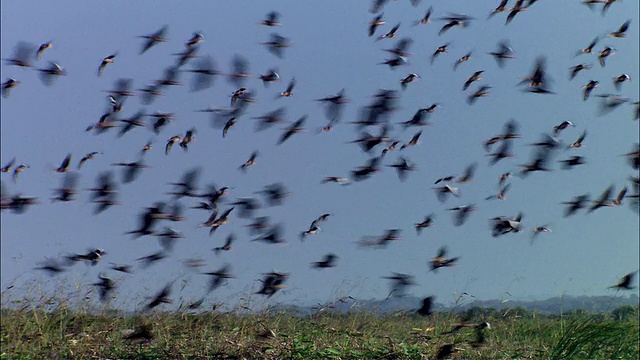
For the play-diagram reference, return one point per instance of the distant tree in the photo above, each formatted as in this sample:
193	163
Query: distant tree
624	312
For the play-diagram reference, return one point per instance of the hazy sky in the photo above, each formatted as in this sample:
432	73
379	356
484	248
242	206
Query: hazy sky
330	51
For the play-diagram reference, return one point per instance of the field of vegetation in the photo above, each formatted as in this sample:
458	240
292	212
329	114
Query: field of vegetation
53	332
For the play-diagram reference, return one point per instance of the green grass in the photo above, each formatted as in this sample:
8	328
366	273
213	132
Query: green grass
63	333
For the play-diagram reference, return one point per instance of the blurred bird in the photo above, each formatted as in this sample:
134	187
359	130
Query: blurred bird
427	222
441	260
153	39
625	282
426	308
106	61
161	297
328	261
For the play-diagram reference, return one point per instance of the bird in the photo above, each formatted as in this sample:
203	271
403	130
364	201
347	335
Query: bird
218	277
625	282
8	85
604	53
588	89
439	50
426	308
288	92
578	142
426	18
272	19
328	261
462	213
250	161
408	79
153	39
621	32
427	222
276	45
373	24
294	128
272	283
441	260
618	80
106	286
106	61
504	52
227	244
574	70
42	48
162	297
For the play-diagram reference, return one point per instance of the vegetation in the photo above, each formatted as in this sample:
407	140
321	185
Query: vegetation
41	332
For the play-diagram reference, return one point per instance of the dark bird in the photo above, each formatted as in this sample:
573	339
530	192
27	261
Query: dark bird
587	89
273	235
131	170
578	202
50	73
148	219
187	139
250	161
408	79
204	72
621	32
272	19
441	260
373	24
427	222
414	140
106	61
500	8
153	39
464	58
335	179
7	167
52	266
481	92
572	161
454	20
334	105
328	261
161	297
504	52
19	170
272	282
22	55
442	192
150	259
194	40
42	48
8	85
602	56
275	194
226	246
439	50
574	70
218	277
462	213
92	257
289	90
64	166
87	157
296	127
625	282
618	80
239	71
503	225
515	10
426	18
426	308
401	49
105	286
399	283
391	33
562	126
578	142
501	195
589	48
402	166
603	200
276	44
68	189
473	78
270	76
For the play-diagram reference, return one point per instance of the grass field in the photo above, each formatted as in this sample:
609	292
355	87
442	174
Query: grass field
46	333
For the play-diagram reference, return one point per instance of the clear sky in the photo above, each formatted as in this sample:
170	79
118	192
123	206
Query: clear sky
329	51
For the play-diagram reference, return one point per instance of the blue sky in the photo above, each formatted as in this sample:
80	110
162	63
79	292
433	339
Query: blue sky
330	51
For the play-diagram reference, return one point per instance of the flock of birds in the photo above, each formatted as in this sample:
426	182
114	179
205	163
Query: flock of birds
376	139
